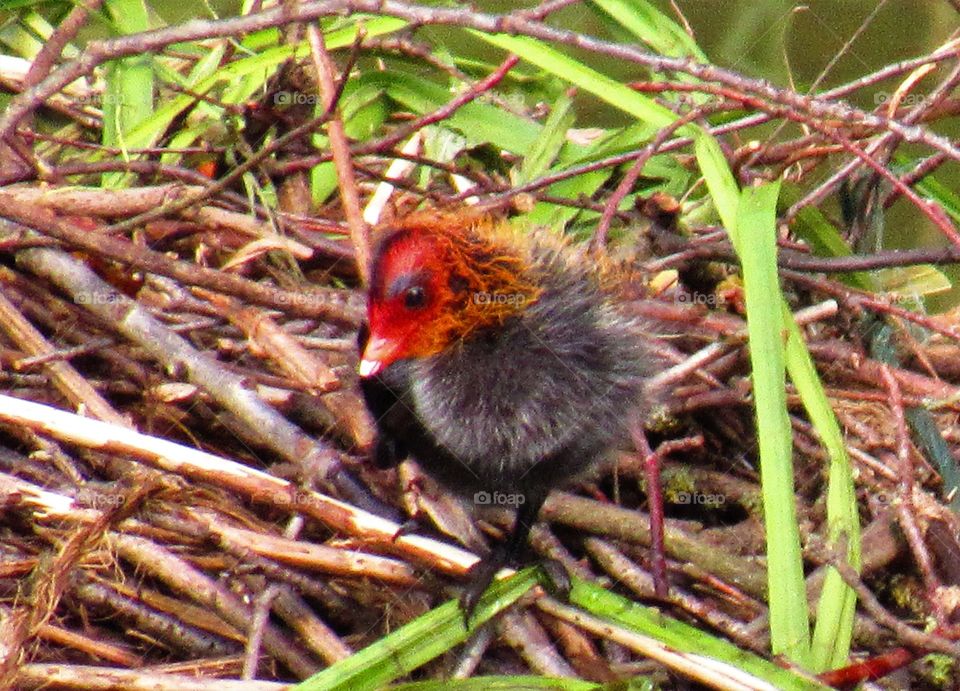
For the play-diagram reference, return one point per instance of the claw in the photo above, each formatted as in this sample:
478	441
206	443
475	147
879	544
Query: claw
481	576
557	581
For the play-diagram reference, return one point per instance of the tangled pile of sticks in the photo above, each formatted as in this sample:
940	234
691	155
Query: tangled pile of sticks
215	469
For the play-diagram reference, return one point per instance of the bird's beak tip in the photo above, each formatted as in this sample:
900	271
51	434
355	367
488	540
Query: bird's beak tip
378	353
368	368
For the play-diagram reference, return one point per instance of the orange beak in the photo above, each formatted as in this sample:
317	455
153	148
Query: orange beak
378	353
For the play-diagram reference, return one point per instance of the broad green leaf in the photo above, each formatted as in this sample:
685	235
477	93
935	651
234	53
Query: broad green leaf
148	132
363	111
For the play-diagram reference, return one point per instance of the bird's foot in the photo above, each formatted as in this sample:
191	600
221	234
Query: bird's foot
557	582
480	576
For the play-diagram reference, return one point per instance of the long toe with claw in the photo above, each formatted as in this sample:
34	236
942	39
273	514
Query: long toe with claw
480	577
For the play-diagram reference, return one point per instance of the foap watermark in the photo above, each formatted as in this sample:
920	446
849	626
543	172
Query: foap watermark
903	100
99	298
484	298
99	99
498	498
92	499
288	497
295	98
700	499
706	299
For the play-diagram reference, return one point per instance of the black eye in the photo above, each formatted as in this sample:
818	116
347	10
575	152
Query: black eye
415	297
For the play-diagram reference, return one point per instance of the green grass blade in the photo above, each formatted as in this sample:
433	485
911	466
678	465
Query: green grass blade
936	449
612	142
416	643
824	239
652	26
721	184
579	187
836	607
22	42
931	187
648	621
834	628
16	4
513	683
756	227
129	85
548	144
587	79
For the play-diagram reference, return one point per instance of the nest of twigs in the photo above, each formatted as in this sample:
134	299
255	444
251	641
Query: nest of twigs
183	451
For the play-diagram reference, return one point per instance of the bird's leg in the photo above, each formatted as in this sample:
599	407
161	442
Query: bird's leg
482	573
655	497
651	464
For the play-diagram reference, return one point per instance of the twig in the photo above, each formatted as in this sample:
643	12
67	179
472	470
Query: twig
525	635
346	179
907	634
71	383
252	484
906	508
318	302
625	185
619	523
49	582
99	678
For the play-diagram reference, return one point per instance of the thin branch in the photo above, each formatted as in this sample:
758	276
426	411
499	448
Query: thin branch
346	178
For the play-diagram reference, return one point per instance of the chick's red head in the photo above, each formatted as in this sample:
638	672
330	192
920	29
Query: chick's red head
435	279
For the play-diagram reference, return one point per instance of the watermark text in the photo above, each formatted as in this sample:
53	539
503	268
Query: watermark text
499	498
